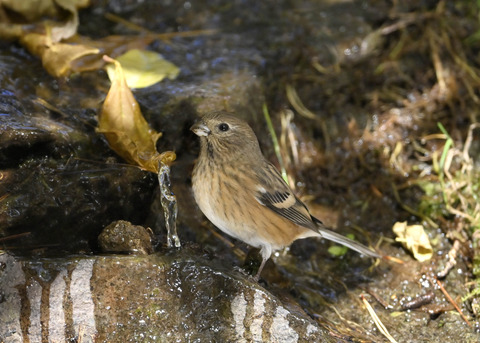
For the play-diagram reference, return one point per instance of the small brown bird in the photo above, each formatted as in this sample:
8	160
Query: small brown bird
244	195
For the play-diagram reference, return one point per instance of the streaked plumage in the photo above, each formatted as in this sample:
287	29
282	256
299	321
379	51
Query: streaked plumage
244	195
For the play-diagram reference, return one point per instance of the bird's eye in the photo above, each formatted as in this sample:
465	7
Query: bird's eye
223	127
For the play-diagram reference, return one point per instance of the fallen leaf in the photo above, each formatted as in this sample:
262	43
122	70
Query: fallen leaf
31	10
57	58
111	46
10	31
28	16
125	128
337	250
143	68
69	27
340	250
414	238
24	20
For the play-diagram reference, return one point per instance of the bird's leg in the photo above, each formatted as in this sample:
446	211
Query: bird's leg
257	276
266	252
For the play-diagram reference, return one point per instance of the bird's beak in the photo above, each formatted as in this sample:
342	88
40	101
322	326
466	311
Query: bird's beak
200	129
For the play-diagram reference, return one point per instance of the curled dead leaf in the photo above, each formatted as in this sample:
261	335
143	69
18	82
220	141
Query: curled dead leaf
57	58
110	45
414	238
31	10
125	128
28	16
25	20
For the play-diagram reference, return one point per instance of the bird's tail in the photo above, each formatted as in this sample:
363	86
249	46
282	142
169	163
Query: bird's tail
349	243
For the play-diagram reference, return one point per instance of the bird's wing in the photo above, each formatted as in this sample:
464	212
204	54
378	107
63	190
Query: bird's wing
274	193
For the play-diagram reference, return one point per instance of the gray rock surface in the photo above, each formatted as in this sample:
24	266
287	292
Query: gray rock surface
175	298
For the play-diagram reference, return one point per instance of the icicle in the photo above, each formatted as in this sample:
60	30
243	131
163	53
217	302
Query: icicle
169	205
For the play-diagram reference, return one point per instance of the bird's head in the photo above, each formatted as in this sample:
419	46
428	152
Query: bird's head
226	137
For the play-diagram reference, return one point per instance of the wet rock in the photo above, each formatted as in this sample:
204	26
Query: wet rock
17	129
179	297
55	194
123	237
55	166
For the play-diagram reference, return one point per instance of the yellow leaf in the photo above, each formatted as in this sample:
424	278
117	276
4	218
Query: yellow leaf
125	128
414	238
143	68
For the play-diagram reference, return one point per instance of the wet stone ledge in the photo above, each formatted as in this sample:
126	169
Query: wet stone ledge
153	298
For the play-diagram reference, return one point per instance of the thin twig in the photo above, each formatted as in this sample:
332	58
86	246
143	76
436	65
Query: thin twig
164	36
128	24
468	143
444	291
240	253
23	234
383	330
379	299
452	260
297	103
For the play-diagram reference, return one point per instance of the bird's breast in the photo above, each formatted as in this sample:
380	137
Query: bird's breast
226	196
221	192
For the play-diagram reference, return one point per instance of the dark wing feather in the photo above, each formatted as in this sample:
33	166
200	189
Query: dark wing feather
296	213
275	194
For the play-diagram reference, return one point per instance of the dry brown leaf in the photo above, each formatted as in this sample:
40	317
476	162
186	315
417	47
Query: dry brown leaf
69	27
111	45
57	58
414	238
125	128
31	10
42	37
10	31
26	16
